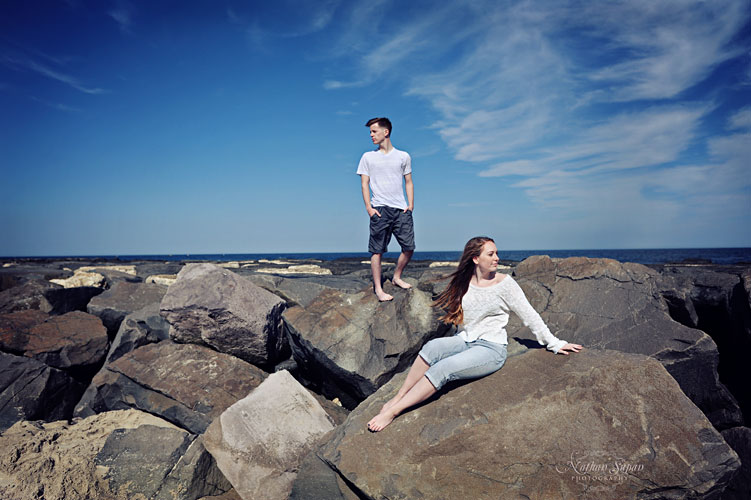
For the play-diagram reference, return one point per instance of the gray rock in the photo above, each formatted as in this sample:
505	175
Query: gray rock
596	425
213	306
259	442
145	326
31	390
186	384
138	460
606	304
122	299
349	344
739	488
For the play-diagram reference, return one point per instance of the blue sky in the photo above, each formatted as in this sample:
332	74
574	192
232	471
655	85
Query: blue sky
229	127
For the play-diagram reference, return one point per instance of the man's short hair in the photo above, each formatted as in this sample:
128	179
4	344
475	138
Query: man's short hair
382	122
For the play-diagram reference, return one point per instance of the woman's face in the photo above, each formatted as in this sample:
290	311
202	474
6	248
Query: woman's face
487	261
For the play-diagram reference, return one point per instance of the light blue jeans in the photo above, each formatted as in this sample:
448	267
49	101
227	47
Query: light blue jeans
451	358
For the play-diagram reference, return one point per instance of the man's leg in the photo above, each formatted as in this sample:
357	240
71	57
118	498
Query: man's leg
375	269
401	263
405	235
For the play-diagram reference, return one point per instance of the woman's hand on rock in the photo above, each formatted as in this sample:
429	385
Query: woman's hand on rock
569	347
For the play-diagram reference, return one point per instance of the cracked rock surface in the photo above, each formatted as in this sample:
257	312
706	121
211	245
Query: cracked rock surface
600	425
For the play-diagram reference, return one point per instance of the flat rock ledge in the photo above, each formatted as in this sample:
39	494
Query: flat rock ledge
598	425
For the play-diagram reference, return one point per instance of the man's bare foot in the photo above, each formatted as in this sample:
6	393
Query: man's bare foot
380	421
401	283
383	296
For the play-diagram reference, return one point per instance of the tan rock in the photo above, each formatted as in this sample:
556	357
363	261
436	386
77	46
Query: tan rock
259	442
81	278
298	269
121	269
57	459
162	279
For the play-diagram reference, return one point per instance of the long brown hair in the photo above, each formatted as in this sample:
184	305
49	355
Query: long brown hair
450	300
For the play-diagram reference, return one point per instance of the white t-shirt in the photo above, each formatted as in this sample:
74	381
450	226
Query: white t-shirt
486	314
386	172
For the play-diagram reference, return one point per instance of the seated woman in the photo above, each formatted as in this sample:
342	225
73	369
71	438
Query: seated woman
479	298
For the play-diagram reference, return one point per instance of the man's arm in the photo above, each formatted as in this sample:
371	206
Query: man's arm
410	192
365	181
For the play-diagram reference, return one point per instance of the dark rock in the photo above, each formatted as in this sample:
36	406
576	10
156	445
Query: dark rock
138	460
213	306
544	426
145	326
259	442
65	300
717	302
122	299
606	304
31	390
349	344
315	480
739	488
30	294
75	340
185	384
194	476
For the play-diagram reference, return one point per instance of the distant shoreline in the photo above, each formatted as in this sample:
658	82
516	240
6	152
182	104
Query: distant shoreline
722	256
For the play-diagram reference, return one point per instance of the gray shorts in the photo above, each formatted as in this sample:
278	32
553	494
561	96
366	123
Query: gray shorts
392	221
451	358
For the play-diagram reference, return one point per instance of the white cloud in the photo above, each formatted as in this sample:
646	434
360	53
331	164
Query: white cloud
741	119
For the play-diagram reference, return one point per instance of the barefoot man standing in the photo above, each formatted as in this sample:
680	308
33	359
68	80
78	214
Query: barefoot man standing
381	172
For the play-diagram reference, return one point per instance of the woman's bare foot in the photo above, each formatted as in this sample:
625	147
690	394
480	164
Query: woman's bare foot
383	296
380	421
401	283
391	402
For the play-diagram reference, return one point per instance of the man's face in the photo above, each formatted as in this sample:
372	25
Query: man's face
378	133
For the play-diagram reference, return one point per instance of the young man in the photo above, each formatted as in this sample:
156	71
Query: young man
381	172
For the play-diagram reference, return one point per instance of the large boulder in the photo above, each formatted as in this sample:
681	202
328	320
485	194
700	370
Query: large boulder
259	442
186	384
349	344
74	341
31	390
120	454
611	305
122	299
597	425
213	306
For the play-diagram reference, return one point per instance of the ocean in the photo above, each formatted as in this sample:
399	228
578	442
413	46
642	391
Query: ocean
642	256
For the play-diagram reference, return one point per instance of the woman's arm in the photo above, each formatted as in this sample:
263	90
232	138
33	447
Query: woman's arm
518	303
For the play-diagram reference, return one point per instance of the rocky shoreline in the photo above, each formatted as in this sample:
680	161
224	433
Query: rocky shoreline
253	379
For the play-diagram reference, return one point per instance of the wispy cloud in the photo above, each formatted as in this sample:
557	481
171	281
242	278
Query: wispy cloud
123	14
584	103
56	105
21	62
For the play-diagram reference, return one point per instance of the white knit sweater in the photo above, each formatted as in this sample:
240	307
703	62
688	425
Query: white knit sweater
486	314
